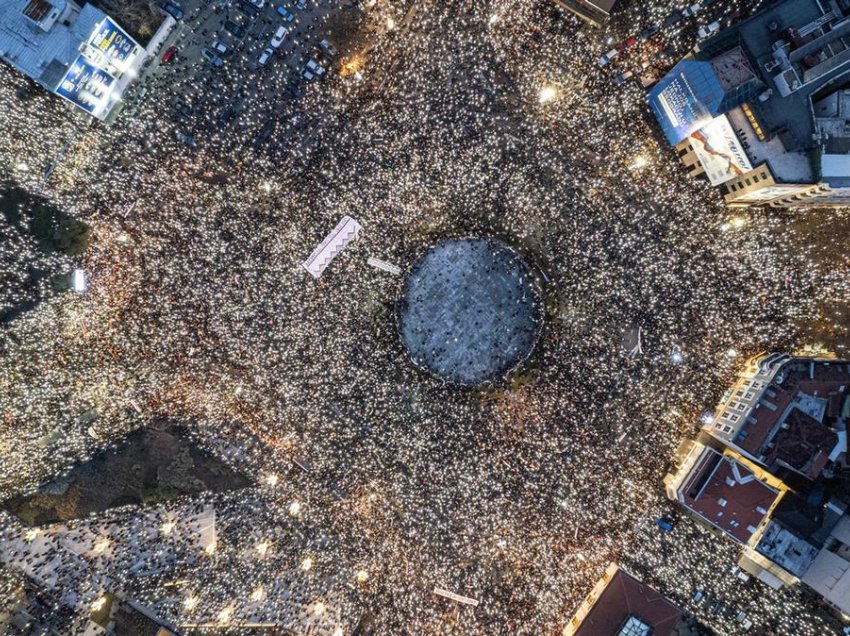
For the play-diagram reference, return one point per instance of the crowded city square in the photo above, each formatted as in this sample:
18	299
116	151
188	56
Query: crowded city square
377	477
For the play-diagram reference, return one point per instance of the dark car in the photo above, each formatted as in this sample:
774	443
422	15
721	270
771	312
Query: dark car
173	10
673	20
184	109
247	8
169	54
234	29
226	115
285	13
648	33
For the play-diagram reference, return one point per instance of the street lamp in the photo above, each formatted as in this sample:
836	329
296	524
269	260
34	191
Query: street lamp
547	94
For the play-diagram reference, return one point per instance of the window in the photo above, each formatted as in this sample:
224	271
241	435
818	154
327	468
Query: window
722	502
37	9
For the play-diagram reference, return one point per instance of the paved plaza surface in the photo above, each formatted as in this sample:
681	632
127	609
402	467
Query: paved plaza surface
470	310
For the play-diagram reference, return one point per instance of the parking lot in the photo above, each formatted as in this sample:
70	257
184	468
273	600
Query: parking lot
234	65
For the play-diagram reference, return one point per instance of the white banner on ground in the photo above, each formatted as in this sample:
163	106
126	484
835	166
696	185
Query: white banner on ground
345	232
455	597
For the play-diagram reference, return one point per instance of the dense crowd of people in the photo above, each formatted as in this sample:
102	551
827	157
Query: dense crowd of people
375	482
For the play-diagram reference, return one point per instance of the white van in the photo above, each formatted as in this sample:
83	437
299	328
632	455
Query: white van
279	36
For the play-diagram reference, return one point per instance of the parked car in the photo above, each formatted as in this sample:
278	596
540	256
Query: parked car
258	3
220	47
265	56
169	54
315	68
330	48
285	13
186	139
214	59
301	4
691	10
279	36
247	8
623	77
234	29
665	524
672	20
705	31
173	10
625	45
608	57
648	32
739	573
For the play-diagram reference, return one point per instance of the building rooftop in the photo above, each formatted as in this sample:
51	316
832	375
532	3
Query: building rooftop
829	573
621	605
787	411
786	549
727	494
780	62
42	54
802	443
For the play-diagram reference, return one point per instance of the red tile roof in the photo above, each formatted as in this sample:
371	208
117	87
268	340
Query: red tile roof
626	596
805	445
831	381
727	494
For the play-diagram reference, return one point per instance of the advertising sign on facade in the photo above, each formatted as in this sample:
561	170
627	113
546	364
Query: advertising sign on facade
719	151
112	42
86	85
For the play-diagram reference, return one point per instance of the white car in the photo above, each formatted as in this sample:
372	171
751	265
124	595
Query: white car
266	56
330	48
705	31
259	3
279	36
610	55
315	68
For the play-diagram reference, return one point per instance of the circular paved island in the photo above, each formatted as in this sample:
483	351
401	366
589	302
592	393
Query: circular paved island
470	311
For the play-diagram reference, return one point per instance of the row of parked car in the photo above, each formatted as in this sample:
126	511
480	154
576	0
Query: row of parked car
671	25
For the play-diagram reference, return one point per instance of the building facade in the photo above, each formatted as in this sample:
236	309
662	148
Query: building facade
78	53
762	108
759	470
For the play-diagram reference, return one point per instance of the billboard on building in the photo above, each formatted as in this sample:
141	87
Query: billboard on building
111	41
686	99
86	85
719	151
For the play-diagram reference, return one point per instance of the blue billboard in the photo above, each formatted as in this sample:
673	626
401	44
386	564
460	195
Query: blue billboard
86	85
686	99
112	42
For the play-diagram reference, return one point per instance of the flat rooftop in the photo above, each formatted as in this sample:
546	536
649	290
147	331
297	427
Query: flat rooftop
43	55
816	52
